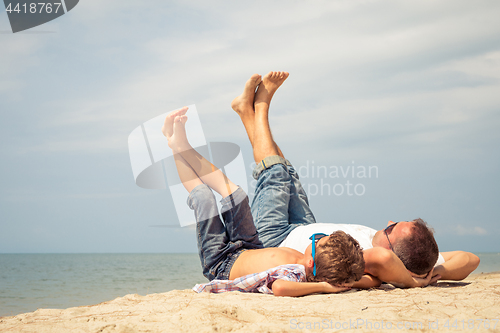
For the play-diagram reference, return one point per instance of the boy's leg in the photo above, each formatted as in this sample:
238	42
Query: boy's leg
239	221
217	250
212	240
206	171
220	246
188	177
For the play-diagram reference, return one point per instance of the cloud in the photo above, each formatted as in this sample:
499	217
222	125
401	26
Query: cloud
460	230
356	68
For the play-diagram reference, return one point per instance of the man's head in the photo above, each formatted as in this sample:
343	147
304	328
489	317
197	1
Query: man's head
339	260
413	242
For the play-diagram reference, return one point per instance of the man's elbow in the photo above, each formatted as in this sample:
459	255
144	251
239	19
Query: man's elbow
469	263
473	261
476	260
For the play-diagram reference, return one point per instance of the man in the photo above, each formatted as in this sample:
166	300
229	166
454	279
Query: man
283	218
410	242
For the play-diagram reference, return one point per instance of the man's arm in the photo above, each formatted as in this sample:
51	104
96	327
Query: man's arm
457	266
366	282
292	288
386	266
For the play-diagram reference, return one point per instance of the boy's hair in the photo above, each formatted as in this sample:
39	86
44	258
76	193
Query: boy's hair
419	251
340	260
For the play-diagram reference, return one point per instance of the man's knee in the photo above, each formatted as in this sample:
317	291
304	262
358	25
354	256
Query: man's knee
274	175
269	166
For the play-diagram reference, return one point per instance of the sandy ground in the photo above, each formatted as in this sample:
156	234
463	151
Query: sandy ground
472	305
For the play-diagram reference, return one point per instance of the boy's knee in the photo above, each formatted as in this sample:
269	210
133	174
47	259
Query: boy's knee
202	201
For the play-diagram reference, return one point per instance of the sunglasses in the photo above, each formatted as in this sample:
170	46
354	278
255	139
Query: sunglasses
387	231
315	237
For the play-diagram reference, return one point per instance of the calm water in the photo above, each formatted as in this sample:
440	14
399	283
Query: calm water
59	281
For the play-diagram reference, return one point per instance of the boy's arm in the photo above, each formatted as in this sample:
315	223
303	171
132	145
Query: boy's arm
292	288
457	266
386	266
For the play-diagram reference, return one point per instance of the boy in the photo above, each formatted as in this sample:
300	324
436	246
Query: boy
232	255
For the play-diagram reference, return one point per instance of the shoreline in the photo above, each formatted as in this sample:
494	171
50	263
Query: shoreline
467	305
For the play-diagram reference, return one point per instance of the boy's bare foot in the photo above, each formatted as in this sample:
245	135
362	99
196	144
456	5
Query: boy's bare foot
178	141
270	83
244	102
168	125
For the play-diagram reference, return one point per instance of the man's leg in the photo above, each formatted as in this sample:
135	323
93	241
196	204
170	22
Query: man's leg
272	194
298	205
280	203
263	142
244	106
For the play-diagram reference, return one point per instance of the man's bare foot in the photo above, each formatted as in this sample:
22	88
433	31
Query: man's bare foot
270	83
178	141
168	125
244	102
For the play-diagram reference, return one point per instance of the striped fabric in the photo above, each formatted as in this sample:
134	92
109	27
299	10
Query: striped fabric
257	282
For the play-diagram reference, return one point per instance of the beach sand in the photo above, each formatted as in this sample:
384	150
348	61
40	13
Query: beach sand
471	305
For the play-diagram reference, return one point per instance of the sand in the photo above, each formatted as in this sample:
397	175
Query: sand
471	305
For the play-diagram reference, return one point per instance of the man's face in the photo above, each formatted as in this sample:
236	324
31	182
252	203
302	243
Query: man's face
399	231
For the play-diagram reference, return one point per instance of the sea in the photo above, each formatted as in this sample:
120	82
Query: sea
57	281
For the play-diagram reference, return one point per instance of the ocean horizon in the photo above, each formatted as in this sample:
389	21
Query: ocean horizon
57	281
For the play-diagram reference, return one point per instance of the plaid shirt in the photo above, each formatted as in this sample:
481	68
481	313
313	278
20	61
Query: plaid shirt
257	282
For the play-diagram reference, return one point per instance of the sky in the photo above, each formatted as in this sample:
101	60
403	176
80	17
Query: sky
407	90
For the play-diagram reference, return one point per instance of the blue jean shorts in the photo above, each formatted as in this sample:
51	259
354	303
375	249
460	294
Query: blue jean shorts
220	244
280	203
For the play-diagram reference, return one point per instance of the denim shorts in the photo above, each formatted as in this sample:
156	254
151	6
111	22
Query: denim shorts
222	271
220	244
280	203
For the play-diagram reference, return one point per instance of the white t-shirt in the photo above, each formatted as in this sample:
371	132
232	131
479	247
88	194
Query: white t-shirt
299	240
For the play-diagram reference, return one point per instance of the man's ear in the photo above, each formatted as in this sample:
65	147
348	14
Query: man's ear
310	262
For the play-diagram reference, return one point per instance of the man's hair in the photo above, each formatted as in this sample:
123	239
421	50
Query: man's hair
419	250
339	260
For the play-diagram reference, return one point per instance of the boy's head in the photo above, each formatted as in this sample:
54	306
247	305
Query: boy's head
339	260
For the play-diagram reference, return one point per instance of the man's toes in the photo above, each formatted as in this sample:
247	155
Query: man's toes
253	82
258	80
255	77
